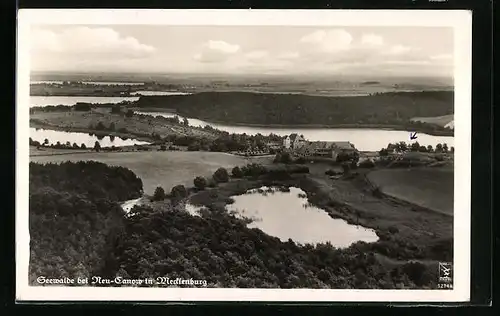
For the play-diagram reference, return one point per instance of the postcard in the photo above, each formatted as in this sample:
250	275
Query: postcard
243	155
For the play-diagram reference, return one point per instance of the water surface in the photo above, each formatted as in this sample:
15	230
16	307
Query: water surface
72	100
288	215
364	139
80	138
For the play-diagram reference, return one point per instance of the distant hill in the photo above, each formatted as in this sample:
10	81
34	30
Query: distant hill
395	108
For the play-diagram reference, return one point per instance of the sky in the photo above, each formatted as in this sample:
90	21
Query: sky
281	50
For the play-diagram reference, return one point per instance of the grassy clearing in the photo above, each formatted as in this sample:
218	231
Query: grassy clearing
428	187
165	169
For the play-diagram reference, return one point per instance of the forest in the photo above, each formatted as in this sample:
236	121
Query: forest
74	216
220	248
395	108
78	230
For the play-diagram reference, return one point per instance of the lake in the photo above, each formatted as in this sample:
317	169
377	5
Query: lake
363	138
80	138
72	100
289	215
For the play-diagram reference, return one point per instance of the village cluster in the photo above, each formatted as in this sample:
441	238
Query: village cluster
298	146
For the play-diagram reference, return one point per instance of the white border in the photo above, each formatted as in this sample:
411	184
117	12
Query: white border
461	21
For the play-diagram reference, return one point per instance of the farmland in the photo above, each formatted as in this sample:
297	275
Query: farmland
156	168
427	187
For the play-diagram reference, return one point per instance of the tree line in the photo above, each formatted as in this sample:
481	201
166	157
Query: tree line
415	147
388	109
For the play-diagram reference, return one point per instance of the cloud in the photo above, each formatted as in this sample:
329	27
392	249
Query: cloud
87	41
327	41
216	51
288	55
372	40
399	50
256	55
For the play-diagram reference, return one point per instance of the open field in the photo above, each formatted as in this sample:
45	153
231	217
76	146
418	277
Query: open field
438	120
165	169
136	125
427	187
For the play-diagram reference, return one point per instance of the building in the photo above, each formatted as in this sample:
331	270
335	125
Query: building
326	149
294	141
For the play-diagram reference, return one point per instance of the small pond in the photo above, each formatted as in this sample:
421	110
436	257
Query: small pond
289	215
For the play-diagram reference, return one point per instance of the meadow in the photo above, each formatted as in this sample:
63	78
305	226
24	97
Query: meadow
160	168
427	187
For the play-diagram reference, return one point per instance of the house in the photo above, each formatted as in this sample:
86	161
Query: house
294	141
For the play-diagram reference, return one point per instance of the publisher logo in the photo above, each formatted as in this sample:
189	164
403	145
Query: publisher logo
445	272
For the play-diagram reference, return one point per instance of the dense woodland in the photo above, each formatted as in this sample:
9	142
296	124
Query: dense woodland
395	108
222	250
77	229
74	216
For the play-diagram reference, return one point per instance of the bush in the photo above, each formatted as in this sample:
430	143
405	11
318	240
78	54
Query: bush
283	158
211	183
200	183
342	157
368	163
236	172
383	152
178	192
159	194
221	175
254	170
82	107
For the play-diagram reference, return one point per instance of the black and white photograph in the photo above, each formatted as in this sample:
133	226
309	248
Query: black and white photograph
245	156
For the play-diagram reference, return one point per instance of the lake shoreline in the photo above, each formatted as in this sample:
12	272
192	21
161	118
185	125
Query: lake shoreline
387	127
321	197
129	135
